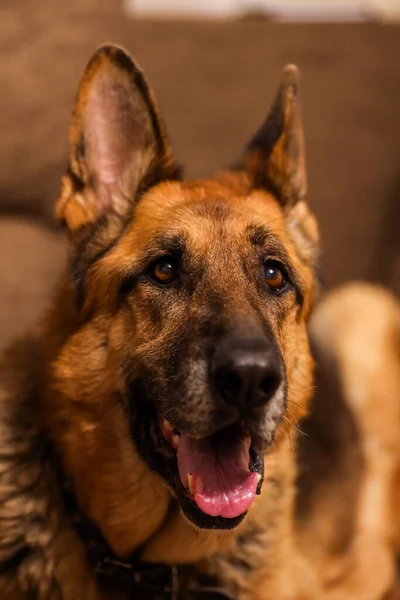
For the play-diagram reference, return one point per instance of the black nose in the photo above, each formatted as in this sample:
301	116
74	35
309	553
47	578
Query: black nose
246	371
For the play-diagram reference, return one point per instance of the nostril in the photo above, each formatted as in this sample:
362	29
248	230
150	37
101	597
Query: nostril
269	384
229	386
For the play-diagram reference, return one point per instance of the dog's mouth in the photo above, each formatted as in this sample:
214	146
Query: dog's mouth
214	479
216	471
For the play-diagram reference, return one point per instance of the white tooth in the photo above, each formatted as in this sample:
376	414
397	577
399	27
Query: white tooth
199	485
175	441
258	478
167	425
190	483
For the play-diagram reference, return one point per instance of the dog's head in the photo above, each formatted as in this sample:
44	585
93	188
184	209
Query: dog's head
191	298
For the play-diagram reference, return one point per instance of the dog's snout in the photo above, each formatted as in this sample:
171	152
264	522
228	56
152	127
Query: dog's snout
246	372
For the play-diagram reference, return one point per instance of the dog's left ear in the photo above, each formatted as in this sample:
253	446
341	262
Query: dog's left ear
275	158
118	144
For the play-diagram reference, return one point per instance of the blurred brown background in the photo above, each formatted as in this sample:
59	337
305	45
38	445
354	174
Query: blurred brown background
214	82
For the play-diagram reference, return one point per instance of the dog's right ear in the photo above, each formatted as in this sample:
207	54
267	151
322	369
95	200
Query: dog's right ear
118	144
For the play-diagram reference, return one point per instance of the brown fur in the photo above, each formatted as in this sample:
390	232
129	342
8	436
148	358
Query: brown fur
66	392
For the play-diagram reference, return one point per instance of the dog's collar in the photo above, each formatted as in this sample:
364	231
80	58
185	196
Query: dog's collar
140	580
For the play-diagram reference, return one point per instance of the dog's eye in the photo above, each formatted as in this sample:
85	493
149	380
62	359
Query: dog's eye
275	276
164	270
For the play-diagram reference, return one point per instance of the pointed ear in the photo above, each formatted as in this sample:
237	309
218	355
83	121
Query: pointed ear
118	144
274	159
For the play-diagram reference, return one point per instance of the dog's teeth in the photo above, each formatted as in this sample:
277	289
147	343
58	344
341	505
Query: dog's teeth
175	441
167	425
198	484
195	484
190	483
258	478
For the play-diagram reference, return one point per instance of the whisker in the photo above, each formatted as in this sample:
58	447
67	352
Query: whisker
305	389
296	427
288	431
295	404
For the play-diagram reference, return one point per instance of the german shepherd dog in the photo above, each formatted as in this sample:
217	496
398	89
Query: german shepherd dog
148	443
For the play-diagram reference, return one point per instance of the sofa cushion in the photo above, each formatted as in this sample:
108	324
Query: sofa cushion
31	260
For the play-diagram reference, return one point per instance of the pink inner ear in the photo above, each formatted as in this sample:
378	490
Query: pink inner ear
115	124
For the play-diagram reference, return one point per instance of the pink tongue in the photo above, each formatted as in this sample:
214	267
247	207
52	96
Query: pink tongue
222	482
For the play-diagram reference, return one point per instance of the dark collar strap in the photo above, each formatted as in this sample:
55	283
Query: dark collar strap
152	581
143	580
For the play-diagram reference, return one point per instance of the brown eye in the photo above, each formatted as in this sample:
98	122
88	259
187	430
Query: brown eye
274	276
164	270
